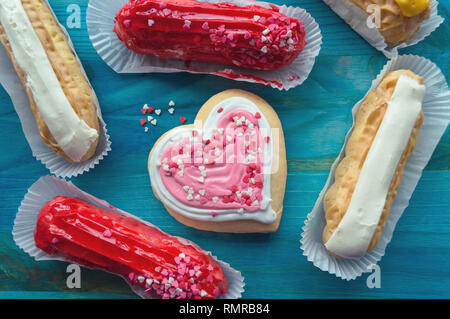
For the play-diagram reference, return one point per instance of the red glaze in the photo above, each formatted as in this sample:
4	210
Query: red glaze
251	37
99	238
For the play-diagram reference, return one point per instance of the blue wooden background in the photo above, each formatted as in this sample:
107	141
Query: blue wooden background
315	118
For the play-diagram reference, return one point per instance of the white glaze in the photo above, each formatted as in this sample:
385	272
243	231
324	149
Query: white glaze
352	236
71	133
264	215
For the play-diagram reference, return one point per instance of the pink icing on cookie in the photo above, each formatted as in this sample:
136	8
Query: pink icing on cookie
224	171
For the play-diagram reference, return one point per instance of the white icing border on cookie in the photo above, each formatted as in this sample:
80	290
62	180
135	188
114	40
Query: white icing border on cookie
71	133
354	233
264	215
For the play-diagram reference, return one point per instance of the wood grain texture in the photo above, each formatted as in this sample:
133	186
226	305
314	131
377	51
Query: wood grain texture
315	118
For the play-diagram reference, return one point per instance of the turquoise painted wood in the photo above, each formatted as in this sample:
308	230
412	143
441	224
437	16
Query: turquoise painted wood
315	118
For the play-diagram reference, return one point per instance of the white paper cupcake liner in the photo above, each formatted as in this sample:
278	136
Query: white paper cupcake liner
47	187
357	19
100	22
55	163
436	109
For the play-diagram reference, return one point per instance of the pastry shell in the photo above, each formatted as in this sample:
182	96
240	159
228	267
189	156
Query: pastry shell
367	121
67	69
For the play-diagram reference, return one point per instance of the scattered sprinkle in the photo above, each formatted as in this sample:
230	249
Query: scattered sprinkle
107	233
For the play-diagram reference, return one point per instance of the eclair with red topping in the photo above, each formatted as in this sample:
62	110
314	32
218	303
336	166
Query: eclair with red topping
252	37
163	265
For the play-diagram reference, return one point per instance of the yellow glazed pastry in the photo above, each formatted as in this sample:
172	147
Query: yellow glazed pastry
400	19
411	8
385	133
61	97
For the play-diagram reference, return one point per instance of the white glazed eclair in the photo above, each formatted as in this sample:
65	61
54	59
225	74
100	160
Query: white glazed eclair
60	95
399	19
385	132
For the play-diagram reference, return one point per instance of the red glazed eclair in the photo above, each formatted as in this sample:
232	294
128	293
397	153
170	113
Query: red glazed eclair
97	238
251	36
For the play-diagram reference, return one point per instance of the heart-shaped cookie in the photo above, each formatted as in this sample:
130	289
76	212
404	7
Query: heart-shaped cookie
227	171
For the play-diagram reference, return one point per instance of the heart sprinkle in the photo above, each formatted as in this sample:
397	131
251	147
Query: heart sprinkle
107	233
